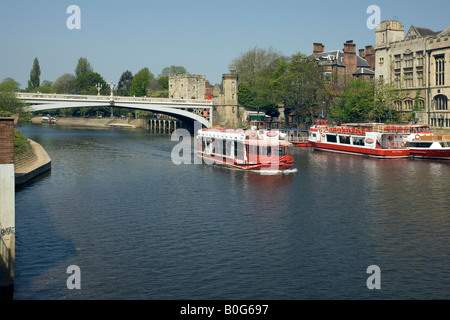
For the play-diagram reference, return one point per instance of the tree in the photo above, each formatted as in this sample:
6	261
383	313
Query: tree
364	101
35	75
141	82
9	104
123	88
45	87
86	84
83	67
65	83
298	85
172	70
255	69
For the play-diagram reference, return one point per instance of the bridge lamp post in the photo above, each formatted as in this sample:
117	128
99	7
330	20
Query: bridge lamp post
111	97
99	87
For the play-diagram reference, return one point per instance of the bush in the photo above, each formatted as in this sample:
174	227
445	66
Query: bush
21	144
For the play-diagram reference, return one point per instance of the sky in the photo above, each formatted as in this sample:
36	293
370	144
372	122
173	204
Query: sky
202	36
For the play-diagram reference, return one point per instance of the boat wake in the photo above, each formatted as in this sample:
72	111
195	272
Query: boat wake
274	172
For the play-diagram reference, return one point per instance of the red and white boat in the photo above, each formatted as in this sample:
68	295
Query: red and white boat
254	149
375	140
430	147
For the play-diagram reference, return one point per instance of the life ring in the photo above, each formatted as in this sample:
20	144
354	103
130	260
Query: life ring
417	137
253	135
390	138
396	145
390	144
402	144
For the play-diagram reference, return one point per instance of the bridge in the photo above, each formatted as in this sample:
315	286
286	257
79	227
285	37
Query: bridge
185	110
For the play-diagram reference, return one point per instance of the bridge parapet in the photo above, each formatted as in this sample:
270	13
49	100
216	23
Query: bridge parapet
192	110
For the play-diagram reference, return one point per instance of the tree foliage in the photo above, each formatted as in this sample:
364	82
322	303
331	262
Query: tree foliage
9	104
255	69
141	82
364	101
86	84
124	85
298	85
83	67
65	84
35	75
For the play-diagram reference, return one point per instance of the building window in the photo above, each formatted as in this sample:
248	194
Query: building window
419	56
408	60
397	80
409	105
440	102
398	105
440	69
397	61
420	78
408	79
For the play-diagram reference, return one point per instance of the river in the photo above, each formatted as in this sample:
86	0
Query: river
139	226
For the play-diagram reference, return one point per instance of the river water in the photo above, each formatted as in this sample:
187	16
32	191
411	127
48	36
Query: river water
139	226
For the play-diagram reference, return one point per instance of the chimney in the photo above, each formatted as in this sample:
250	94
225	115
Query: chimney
350	59
370	57
317	48
361	53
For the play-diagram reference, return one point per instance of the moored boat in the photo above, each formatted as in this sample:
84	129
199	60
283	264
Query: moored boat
254	149
364	139
298	137
430	147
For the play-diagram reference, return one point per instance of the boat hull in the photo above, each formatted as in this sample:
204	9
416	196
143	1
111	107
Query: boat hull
284	164
361	151
425	153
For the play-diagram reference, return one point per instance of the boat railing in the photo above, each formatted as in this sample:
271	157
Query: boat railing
392	129
435	138
341	130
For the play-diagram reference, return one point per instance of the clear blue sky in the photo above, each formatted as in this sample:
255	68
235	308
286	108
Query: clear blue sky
202	36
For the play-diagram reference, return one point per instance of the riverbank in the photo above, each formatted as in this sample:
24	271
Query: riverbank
33	165
97	122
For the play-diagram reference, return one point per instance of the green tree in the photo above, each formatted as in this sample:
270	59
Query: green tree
45	87
141	82
123	88
83	67
255	69
65	83
298	85
172	70
86	84
9	104
35	75
364	101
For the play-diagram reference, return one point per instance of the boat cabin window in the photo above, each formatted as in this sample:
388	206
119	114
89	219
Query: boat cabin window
344	139
331	138
358	141
266	151
445	144
282	151
415	144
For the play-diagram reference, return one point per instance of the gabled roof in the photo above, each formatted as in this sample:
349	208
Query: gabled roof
415	32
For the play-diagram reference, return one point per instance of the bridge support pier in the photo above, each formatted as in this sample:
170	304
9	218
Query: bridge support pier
7	208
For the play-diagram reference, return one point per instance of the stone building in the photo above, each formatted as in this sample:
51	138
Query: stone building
224	96
340	67
187	86
416	64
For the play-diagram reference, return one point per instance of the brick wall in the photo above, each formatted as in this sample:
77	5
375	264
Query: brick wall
6	140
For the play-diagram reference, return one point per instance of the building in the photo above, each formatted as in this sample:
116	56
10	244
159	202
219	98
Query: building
224	96
340	67
416	64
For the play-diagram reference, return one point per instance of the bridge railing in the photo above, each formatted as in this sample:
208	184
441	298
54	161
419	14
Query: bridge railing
55	96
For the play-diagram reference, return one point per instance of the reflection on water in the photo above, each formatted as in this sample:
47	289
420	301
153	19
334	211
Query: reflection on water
140	227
